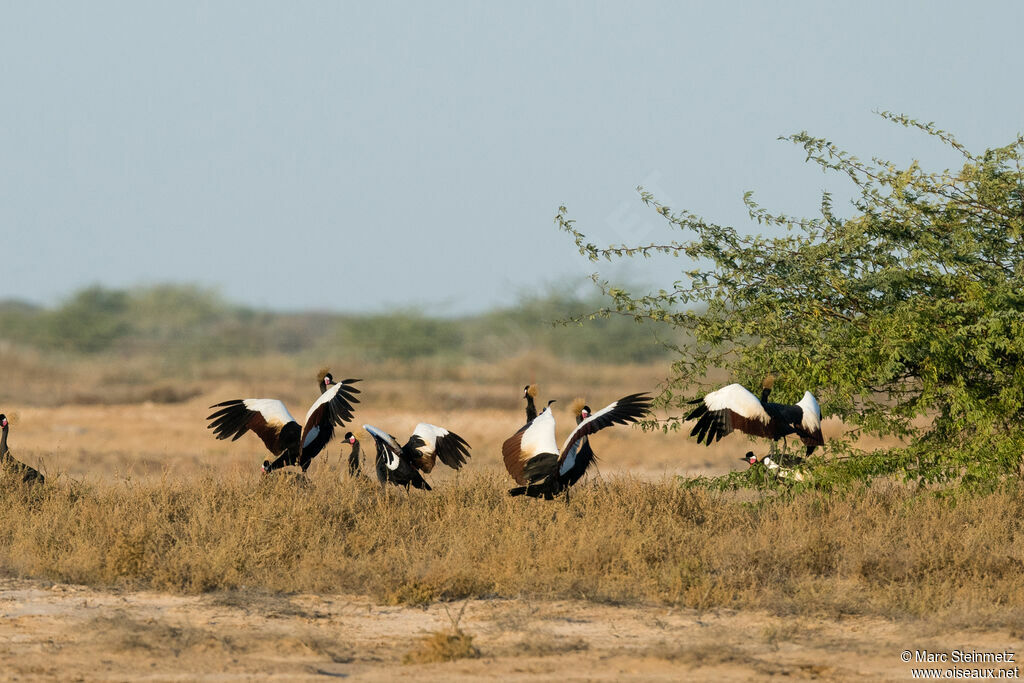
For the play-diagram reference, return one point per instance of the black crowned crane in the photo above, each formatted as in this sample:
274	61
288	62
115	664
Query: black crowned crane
774	467
269	419
541	469
326	380
530	393
353	456
734	408
12	467
585	457
401	465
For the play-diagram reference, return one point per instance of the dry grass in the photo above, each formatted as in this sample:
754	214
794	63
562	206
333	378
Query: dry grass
446	645
160	504
442	646
880	551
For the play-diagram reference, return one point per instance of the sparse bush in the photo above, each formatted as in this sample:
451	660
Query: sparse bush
906	316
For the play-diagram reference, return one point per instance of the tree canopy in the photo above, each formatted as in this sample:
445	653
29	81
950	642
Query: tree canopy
905	317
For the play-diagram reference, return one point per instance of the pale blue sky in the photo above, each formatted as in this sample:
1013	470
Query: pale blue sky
360	156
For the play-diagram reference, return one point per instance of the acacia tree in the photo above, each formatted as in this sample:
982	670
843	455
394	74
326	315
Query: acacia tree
905	317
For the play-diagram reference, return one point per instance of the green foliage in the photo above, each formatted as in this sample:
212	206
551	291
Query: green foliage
906	317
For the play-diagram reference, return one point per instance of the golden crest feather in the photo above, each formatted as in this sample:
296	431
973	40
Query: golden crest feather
577	405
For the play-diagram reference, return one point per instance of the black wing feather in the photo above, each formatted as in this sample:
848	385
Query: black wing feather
452	449
231	421
627	409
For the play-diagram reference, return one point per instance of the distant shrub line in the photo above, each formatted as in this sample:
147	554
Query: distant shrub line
189	322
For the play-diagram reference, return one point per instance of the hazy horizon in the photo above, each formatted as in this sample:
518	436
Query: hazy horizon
362	157
582	291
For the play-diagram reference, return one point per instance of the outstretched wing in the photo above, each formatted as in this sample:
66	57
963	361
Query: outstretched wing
429	442
722	411
267	418
624	411
392	465
535	438
387	447
333	407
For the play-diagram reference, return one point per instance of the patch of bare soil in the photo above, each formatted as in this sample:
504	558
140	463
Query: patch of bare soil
56	631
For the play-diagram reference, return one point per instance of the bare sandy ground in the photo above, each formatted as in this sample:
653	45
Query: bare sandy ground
70	632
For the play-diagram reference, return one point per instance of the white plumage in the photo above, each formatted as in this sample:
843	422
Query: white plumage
738	399
430	434
812	412
782	472
273	411
539	437
390	456
325	397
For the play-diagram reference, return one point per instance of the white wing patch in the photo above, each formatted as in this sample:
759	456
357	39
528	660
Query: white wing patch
325	397
539	437
272	410
812	412
736	398
391	450
593	416
430	434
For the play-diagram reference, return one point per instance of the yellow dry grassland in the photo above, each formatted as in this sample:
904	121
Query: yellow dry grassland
140	496
879	551
155	548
